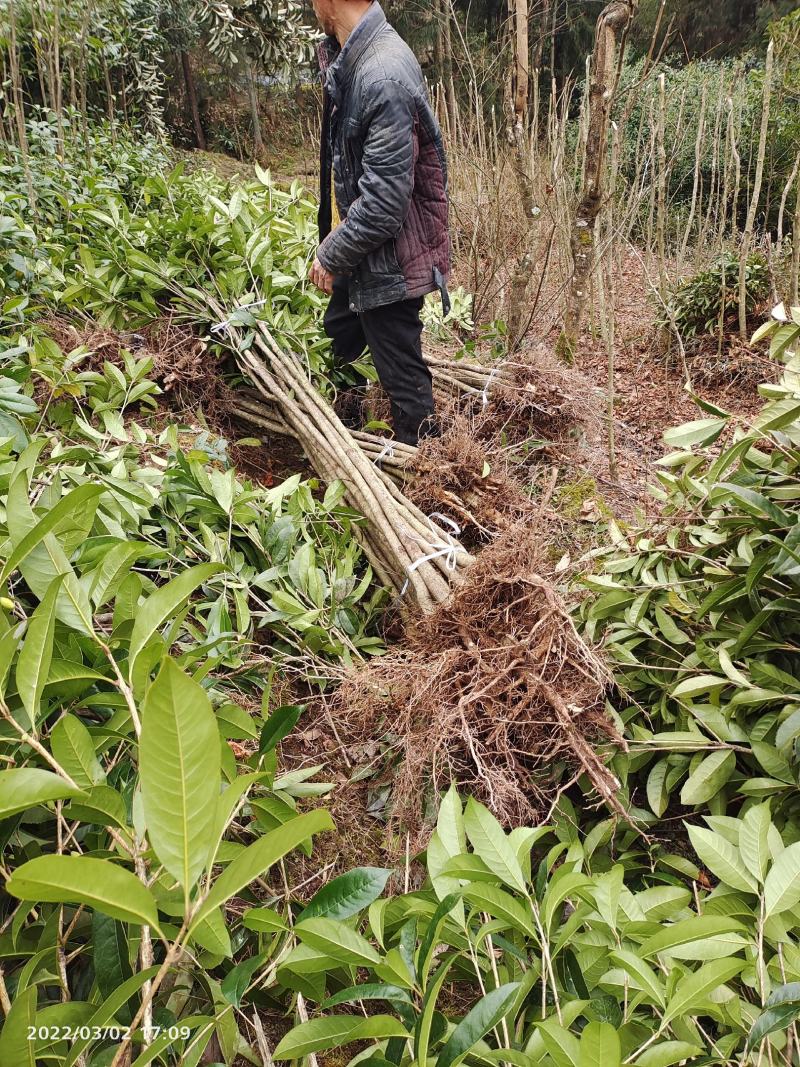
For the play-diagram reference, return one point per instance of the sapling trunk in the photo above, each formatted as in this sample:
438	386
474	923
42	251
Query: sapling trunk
612	26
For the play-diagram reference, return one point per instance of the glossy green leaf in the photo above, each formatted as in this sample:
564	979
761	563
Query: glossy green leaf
337	940
280	723
348	894
694	989
782	884
599	1046
707	780
25	787
753	840
16	1048
488	838
781	1009
259	857
179	769
642	974
318	1035
478	1021
74	750
667	1053
100	884
699	432
698	928
74	500
33	662
722	859
163	604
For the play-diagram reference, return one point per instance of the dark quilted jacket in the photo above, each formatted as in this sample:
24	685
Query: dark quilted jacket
385	146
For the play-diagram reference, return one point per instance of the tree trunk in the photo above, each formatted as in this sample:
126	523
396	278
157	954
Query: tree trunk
252	95
191	97
609	43
542	26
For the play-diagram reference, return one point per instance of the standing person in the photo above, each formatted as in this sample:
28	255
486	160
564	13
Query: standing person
383	145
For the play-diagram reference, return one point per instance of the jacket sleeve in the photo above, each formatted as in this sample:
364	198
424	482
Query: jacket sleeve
387	182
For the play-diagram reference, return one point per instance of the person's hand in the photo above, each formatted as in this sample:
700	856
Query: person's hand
323	279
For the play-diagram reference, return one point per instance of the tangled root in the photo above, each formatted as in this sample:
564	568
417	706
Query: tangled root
464	474
544	399
491	691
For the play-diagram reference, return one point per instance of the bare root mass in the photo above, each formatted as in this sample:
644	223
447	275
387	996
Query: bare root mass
538	396
494	690
465	474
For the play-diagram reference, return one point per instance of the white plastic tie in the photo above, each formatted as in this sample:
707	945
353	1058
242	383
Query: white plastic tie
387	452
227	323
449	548
489	380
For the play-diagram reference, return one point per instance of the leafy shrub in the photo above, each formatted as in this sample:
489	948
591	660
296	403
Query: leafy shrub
711	296
541	948
118	807
700	615
459	317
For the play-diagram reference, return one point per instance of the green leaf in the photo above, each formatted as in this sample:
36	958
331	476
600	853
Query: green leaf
698	432
68	504
259	857
238	979
450	823
348	894
478	1021
644	977
755	504
114	567
44	562
753	840
337	940
25	787
699	683
657	792
33	663
781	1009
502	905
97	883
487	837
782	884
280	723
698	928
599	1046
163	604
265	920
707	780
109	953
74	750
16	1048
179	769
318	1035
561	1045
693	990
722	859
666	1054
368	991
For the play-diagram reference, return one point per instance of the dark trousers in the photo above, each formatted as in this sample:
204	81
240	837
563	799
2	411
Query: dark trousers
392	334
